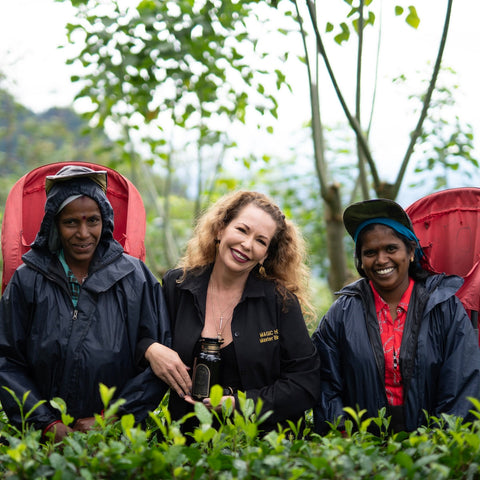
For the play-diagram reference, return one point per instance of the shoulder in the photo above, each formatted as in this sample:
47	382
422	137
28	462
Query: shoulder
171	276
351	300
442	282
351	296
440	288
357	288
135	267
21	278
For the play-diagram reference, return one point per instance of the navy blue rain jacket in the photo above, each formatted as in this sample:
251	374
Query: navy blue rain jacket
439	355
52	349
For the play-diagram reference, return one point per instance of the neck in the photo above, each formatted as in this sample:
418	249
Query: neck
393	297
226	281
79	269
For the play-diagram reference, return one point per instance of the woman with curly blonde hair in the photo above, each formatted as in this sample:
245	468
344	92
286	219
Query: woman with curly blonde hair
243	280
285	263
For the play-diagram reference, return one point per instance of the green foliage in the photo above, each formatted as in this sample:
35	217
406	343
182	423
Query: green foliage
192	67
231	445
353	15
446	149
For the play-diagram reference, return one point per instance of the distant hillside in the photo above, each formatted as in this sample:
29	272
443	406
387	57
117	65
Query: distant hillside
28	139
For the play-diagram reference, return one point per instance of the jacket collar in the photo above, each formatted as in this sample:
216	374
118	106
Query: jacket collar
106	254
437	288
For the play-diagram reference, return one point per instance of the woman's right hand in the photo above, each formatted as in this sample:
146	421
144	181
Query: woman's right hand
168	366
59	430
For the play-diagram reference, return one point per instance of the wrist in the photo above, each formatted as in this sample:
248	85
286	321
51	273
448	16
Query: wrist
50	426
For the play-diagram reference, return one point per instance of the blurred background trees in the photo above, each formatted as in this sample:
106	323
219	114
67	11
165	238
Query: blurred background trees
168	88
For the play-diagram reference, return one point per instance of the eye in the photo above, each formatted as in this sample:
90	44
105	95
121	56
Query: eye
392	248
262	242
68	222
94	221
241	229
368	253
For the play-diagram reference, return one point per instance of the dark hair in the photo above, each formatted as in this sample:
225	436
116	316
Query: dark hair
415	270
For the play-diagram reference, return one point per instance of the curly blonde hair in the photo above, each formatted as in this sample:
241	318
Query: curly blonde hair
286	260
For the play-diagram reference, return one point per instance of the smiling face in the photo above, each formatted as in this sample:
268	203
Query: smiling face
245	240
385	260
80	228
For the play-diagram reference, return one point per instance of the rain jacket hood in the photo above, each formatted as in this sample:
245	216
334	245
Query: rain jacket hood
58	193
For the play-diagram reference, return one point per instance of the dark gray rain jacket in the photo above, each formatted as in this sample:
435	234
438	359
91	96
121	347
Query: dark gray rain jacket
52	349
439	355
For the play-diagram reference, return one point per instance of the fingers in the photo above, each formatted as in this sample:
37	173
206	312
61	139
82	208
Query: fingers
208	403
189	399
84	424
168	366
60	431
178	378
179	383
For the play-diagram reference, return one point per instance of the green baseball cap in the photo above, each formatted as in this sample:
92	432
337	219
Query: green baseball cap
358	213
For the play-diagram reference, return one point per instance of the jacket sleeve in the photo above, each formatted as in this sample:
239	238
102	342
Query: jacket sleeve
144	392
298	387
16	308
459	377
330	406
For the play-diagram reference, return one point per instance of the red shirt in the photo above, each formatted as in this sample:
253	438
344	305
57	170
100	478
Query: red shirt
391	332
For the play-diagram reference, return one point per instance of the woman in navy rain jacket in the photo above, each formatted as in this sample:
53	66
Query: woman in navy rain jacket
73	313
398	338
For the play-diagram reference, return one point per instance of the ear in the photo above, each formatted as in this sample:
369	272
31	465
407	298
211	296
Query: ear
413	247
219	235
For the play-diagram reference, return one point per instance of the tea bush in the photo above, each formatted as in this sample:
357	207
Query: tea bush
230	445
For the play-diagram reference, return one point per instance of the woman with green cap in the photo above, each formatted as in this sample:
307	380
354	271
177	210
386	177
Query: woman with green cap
398	338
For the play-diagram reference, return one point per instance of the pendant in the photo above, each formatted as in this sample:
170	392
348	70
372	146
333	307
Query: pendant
219	337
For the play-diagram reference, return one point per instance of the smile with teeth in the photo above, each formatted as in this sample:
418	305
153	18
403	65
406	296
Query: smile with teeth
239	256
385	271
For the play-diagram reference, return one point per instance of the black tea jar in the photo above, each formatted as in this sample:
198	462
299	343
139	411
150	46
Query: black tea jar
206	368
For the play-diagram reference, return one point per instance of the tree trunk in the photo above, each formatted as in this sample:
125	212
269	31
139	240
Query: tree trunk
339	274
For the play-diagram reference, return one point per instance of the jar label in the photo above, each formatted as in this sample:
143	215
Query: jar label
201	382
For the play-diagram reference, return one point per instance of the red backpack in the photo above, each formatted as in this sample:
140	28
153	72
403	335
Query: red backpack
447	223
24	210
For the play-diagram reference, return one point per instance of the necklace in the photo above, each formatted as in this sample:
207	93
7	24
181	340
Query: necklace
223	320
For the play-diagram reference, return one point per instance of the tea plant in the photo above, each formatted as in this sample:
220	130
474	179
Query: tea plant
231	445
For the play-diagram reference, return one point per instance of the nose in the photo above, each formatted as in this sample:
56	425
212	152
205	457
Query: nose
247	243
382	257
83	231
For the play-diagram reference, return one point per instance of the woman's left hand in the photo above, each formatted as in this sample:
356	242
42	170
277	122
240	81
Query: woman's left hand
207	403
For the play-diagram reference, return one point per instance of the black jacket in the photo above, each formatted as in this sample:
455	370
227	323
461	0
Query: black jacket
439	355
276	358
51	349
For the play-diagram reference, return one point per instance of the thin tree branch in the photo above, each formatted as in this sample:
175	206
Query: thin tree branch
317	128
351	120
426	103
358	95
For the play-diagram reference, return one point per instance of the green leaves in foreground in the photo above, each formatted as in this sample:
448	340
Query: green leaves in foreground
229	444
